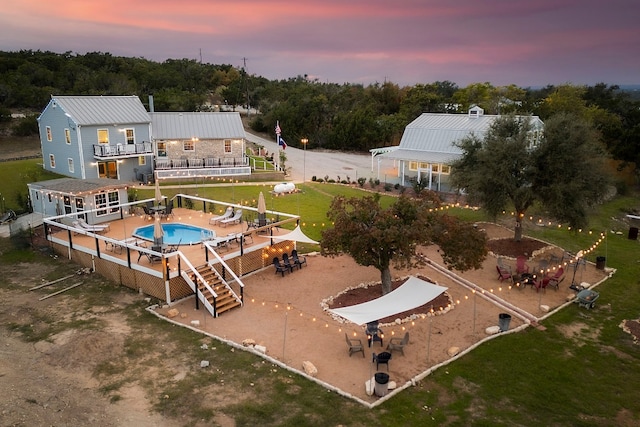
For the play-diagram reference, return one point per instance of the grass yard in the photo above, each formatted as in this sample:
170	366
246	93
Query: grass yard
581	369
14	177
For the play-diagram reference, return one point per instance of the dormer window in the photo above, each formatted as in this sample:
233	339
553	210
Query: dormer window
475	112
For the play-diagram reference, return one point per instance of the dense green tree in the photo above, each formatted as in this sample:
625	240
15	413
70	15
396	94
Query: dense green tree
379	237
509	168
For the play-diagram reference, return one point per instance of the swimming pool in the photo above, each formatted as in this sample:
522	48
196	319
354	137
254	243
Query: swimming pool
174	233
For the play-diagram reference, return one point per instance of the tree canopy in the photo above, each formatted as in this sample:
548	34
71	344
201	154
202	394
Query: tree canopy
381	237
509	167
346	117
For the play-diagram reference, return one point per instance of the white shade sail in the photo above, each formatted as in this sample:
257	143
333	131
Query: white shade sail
296	235
411	294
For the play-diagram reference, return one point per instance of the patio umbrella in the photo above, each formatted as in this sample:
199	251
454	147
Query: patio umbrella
158	193
158	232
262	210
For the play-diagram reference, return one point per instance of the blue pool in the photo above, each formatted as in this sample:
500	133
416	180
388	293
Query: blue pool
174	233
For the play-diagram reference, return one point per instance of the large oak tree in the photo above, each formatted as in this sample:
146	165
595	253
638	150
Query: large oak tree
379	237
506	169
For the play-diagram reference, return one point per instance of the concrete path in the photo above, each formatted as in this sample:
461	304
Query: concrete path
305	164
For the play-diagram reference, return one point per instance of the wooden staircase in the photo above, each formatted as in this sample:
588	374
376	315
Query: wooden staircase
226	299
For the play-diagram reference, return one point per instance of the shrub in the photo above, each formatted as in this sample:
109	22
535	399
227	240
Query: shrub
387	186
313	178
27	126
361	181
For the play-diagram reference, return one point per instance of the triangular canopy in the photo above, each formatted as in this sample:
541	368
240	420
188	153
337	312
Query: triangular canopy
296	235
411	294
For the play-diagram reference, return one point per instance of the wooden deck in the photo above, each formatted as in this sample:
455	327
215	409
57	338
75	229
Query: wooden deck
106	254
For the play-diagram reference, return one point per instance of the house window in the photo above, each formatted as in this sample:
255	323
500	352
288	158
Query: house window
108	170
67	136
66	201
446	169
424	165
188	145
162	149
71	168
80	208
142	160
52	161
227	145
435	168
129	136
103	136
49	136
107	203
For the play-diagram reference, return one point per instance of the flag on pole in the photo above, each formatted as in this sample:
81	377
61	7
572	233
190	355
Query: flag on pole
282	143
278	131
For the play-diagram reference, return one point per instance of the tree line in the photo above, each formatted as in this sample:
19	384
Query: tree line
348	117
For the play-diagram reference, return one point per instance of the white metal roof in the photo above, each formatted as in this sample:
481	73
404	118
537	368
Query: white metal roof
432	136
102	110
189	125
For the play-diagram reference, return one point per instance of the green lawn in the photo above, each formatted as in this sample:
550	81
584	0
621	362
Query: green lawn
580	370
14	177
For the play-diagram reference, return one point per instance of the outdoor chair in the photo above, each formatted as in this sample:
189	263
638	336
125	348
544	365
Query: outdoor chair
168	212
298	260
153	258
91	228
235	219
280	268
287	262
227	214
207	236
382	358
173	248
504	273
84	224
374	333
556	278
521	265
398	343
355	345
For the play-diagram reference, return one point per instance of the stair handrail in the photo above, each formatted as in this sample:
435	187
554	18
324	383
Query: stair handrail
240	298
194	286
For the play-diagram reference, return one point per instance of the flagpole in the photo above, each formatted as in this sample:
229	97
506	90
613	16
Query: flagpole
277	161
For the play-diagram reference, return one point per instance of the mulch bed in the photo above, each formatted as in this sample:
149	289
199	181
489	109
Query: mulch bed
360	295
500	247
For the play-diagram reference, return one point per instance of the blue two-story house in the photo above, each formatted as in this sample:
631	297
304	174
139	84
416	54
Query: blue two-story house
89	137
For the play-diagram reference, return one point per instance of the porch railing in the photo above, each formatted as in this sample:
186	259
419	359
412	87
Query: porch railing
122	150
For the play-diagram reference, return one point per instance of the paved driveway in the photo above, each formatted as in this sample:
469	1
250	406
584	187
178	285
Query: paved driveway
305	164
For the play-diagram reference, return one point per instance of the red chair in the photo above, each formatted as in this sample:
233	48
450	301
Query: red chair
504	273
521	265
556	278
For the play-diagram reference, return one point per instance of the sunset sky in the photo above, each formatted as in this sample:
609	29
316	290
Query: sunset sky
522	42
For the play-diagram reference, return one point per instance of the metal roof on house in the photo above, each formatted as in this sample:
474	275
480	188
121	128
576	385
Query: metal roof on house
432	136
102	110
203	125
80	186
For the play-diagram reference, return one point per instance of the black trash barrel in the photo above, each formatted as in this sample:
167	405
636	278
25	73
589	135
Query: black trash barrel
633	233
382	384
503	321
600	262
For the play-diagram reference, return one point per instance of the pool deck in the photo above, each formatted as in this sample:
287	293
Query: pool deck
120	230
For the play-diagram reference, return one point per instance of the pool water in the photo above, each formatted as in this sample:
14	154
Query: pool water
174	233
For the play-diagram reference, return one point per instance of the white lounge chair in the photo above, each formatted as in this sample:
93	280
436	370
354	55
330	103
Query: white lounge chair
235	219
227	214
93	227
